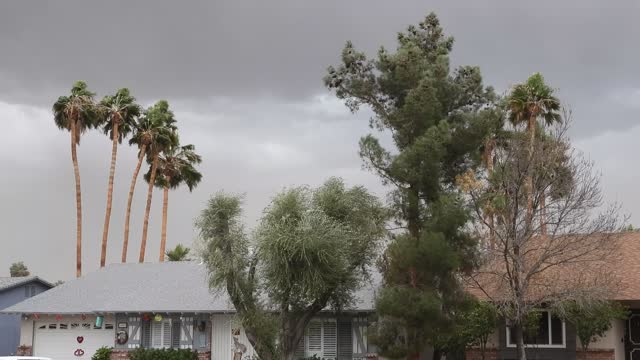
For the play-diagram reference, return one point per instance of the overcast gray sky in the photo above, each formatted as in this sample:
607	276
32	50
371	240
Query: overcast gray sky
245	80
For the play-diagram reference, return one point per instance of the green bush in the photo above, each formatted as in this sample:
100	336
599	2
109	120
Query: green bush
163	354
104	353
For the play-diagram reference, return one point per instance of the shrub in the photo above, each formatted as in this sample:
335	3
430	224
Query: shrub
163	354
104	353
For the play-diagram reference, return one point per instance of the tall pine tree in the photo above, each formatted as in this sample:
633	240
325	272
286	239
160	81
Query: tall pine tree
438	120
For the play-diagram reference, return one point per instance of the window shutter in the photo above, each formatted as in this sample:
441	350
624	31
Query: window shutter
186	332
359	328
345	339
166	333
329	340
314	338
175	333
134	329
156	334
146	334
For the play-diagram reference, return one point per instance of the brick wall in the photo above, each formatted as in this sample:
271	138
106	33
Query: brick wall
206	355
124	355
119	354
595	354
24	350
476	354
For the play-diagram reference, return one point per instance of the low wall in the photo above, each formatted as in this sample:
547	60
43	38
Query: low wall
594	354
124	355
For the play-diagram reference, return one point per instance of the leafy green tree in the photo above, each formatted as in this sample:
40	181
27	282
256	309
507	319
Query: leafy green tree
119	113
166	137
153	130
591	319
176	166
18	269
179	253
478	324
439	120
312	249
76	113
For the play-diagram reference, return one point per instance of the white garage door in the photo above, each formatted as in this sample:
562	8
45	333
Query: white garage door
72	340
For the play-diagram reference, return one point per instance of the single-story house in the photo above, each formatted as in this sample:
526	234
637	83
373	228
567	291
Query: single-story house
12	291
165	305
557	340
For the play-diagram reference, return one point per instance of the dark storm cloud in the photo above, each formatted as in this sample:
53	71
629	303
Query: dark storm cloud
245	80
197	49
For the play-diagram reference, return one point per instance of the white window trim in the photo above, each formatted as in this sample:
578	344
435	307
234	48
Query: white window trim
548	346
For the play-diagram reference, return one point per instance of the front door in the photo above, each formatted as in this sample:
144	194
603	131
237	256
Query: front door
632	337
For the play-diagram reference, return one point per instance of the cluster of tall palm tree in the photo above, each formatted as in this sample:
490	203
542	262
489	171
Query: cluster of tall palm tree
153	131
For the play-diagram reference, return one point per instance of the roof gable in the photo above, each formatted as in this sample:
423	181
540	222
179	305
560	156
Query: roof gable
7	283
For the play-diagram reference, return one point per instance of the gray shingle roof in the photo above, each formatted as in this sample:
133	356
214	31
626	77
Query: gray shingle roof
11	282
148	287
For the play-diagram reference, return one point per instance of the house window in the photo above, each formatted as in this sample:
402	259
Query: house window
29	291
551	332
321	339
161	334
168	333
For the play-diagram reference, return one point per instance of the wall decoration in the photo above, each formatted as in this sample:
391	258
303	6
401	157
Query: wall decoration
157	318
146	317
122	336
99	320
78	352
83	317
58	317
80	339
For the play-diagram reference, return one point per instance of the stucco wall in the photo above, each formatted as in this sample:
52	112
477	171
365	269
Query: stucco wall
612	340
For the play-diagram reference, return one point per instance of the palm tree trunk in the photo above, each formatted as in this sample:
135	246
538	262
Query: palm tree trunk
489	215
145	227
165	206
543	214
76	171
132	188
531	131
112	172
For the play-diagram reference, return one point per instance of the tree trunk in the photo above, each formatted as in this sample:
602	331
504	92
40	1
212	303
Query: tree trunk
437	354
125	244
145	226
292	334
520	349
107	214
165	206
76	171
531	131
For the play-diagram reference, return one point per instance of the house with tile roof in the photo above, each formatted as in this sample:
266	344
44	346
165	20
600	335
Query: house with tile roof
12	291
166	305
556	339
